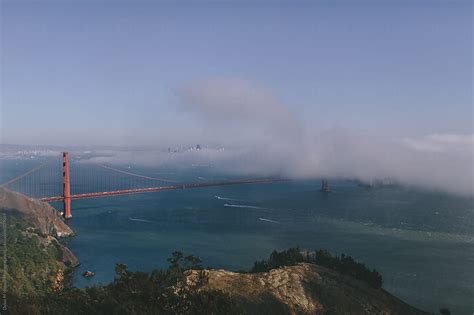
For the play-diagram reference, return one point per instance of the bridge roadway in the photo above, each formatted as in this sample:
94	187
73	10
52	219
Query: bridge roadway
161	188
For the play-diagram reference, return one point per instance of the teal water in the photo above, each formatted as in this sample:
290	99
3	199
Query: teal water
421	242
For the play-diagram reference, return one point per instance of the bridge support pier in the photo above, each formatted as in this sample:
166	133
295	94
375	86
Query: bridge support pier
66	186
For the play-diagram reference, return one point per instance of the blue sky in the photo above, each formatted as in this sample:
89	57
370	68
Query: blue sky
106	72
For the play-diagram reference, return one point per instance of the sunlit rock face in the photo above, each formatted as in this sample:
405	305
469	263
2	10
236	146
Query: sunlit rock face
41	214
305	289
47	223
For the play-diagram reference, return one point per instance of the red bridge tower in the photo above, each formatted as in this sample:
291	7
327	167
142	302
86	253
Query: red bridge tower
66	186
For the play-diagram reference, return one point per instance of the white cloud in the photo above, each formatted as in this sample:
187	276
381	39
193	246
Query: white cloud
441	142
263	137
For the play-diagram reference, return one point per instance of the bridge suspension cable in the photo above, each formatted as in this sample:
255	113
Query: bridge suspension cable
136	175
13	180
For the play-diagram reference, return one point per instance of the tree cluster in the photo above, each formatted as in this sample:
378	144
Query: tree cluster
135	292
343	264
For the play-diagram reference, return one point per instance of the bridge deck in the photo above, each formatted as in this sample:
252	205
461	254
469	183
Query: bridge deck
160	188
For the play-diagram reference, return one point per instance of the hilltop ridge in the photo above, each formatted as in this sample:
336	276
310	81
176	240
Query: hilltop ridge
305	289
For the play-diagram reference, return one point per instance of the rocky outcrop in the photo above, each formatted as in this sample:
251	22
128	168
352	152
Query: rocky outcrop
305	289
42	215
69	259
47	223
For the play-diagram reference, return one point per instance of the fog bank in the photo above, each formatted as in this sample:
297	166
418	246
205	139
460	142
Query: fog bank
262	136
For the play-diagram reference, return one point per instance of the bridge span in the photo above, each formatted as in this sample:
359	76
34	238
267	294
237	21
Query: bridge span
162	188
110	189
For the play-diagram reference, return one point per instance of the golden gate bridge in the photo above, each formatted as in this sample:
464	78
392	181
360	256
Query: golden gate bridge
56	182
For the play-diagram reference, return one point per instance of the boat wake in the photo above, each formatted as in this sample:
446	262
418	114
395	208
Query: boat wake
268	220
243	206
225	198
140	220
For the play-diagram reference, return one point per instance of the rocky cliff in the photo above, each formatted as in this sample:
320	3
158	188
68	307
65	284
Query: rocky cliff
47	223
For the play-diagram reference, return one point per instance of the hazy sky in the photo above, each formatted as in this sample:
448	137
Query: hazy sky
108	72
358	89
